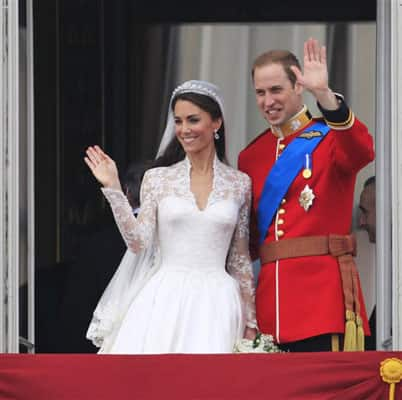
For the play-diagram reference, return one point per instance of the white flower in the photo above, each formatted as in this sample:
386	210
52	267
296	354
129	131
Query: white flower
261	344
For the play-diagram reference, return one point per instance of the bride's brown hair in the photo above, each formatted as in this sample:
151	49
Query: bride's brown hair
174	151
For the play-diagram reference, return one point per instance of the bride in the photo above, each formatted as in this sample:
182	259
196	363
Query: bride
185	284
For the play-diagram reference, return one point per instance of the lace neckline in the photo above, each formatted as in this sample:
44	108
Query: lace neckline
215	172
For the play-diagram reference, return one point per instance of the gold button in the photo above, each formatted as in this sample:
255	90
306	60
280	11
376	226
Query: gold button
280	221
281	211
283	201
282	146
280	233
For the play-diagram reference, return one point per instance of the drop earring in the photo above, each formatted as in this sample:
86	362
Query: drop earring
216	134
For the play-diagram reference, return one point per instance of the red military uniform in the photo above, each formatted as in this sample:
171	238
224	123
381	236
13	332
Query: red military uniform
302	297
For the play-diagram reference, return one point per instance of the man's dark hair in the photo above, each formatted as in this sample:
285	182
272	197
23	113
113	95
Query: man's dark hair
369	181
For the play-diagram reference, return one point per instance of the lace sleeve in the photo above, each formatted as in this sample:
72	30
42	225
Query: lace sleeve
136	232
239	262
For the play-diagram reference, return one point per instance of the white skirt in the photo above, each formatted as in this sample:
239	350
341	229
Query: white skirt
182	311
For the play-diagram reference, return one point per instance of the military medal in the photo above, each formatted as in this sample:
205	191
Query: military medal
306	198
307	170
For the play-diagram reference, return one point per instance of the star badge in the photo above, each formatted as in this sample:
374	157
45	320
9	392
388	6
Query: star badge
306	198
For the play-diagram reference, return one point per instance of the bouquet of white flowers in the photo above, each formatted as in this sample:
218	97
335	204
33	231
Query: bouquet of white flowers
261	344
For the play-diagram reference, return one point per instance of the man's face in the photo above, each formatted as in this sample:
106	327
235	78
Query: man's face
367	211
277	99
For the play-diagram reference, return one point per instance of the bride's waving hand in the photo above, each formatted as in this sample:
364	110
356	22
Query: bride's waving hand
102	167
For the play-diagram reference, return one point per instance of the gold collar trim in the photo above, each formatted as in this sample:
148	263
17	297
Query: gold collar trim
295	123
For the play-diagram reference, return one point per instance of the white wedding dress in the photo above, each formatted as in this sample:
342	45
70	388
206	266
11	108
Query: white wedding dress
200	294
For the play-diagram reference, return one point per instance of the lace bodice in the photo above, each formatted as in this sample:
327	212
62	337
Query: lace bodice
203	240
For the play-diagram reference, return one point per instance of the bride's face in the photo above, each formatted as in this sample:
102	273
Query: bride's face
194	127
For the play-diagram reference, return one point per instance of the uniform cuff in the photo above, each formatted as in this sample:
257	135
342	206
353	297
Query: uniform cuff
340	119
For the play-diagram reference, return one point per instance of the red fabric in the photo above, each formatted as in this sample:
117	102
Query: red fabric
310	299
312	376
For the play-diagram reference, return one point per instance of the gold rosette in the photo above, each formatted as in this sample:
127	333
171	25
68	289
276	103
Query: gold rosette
391	372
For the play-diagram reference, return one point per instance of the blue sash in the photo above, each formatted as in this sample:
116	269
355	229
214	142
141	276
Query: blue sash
283	173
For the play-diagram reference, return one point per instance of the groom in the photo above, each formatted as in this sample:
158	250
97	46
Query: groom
303	171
